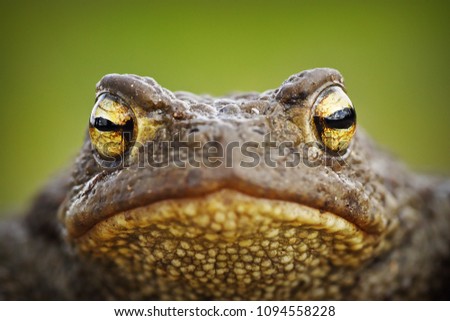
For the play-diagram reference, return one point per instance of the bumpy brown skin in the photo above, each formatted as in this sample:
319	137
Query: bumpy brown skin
229	232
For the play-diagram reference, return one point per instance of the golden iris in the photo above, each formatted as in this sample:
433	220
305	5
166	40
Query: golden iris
111	127
334	119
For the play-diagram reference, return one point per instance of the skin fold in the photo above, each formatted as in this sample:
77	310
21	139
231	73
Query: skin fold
347	221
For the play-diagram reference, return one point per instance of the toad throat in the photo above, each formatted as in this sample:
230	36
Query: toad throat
226	244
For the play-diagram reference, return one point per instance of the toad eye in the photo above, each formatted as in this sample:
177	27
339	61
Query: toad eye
334	119
111	127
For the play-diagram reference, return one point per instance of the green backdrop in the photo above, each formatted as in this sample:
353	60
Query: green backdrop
393	55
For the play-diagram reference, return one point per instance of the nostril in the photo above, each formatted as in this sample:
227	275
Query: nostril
194	130
258	130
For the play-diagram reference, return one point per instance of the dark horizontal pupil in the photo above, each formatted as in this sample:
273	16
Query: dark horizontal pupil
341	119
105	125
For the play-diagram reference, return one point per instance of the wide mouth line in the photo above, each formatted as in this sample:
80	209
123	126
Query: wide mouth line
230	192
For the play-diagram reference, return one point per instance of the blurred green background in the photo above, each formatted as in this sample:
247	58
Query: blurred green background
393	55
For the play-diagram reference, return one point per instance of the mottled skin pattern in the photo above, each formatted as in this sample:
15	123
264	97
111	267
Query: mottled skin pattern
366	228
